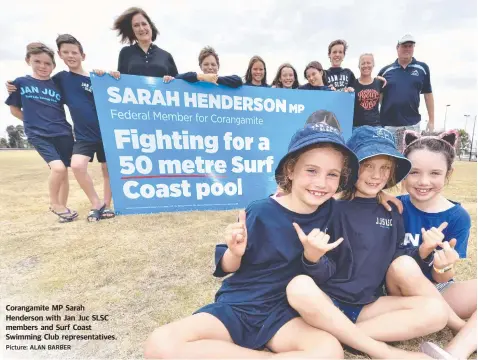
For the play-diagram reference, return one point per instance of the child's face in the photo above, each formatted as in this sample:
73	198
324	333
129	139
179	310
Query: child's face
316	177
42	65
366	65
287	77
71	55
374	174
427	176
209	65
257	71
141	28
337	55
314	77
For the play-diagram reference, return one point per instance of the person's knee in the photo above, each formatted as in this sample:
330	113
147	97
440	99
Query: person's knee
302	294
58	168
78	167
403	268
104	170
161	344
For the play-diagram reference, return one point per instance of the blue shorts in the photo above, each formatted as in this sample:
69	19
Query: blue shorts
350	310
90	149
248	328
54	148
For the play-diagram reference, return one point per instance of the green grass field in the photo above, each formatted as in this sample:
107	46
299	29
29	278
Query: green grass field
143	271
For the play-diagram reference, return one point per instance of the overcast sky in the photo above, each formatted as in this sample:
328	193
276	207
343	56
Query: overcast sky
279	31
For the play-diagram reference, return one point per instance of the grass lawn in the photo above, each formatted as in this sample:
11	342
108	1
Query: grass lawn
142	270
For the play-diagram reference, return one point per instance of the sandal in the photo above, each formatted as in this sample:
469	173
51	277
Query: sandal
67	216
434	351
94	215
106	213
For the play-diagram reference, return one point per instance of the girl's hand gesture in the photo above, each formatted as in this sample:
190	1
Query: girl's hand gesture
316	244
349	89
431	239
236	236
443	260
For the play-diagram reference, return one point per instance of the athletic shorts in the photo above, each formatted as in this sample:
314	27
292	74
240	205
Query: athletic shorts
89	149
54	148
248	329
441	287
350	310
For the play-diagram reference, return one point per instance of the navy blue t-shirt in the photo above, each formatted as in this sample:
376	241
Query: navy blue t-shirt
273	254
340	78
311	87
458	219
78	96
372	238
42	106
401	96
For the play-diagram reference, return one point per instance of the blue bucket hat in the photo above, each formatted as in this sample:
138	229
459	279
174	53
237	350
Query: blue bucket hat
317	134
368	141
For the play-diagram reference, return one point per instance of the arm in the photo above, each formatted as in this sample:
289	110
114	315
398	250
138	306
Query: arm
191	77
423	261
122	65
320	271
430	102
173	69
17	112
453	249
233	81
228	256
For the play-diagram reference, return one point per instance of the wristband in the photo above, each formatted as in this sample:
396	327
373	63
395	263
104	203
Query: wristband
444	270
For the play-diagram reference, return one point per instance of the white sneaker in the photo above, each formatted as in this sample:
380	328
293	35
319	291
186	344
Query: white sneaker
435	351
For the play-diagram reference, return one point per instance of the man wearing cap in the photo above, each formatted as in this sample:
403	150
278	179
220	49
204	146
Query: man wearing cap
407	78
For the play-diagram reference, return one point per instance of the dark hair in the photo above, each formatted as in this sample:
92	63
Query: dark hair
285	183
338	42
248	76
36	48
205	52
323	116
123	24
444	145
349	194
317	66
68	39
277	83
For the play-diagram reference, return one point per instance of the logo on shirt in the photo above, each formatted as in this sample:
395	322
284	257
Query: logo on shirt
415	73
368	98
87	87
384	223
338	81
413	239
33	92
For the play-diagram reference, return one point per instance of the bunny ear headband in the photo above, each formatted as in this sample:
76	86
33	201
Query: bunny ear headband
450	137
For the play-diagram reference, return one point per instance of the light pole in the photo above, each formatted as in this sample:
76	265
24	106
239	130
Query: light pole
466	120
446	110
472	138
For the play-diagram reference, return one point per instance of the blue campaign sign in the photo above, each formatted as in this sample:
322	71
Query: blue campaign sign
182	146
